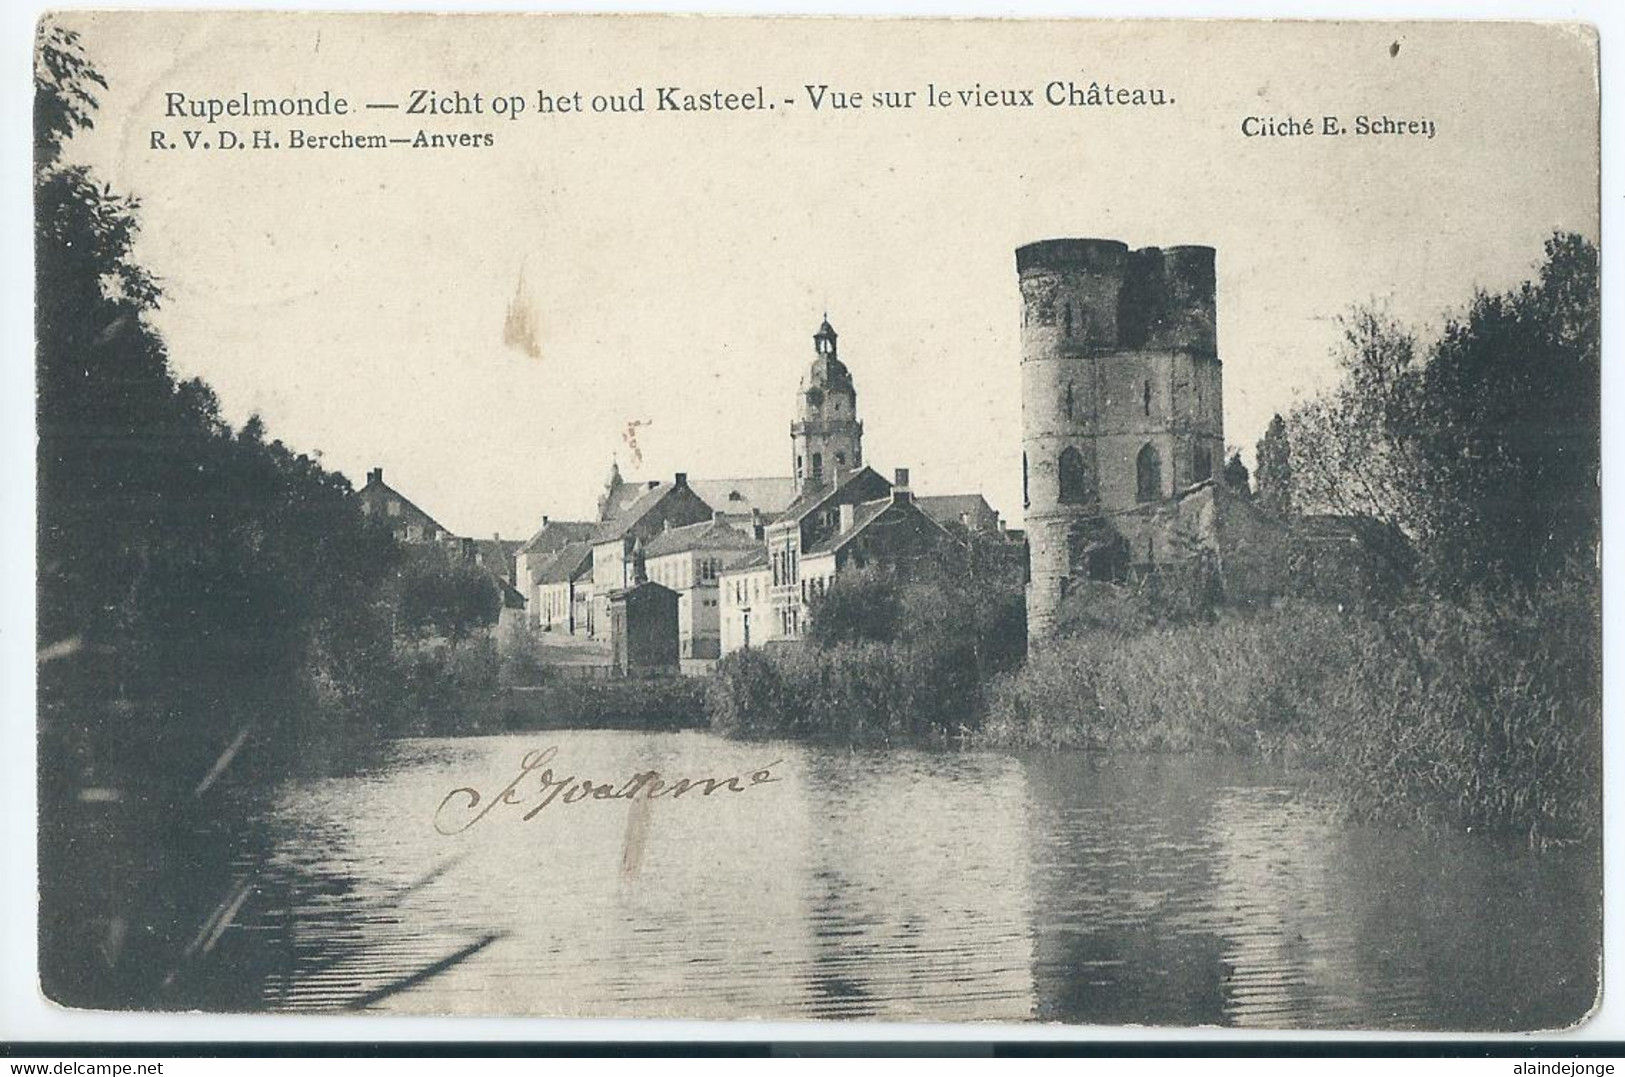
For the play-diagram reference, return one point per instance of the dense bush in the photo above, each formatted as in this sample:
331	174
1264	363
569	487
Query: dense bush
849	693
896	653
1483	711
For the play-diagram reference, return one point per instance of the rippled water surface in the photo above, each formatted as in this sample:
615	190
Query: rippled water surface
905	885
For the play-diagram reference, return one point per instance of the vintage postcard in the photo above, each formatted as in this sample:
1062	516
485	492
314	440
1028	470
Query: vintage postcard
1088	522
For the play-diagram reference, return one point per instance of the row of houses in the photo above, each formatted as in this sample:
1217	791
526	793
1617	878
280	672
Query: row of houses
746	558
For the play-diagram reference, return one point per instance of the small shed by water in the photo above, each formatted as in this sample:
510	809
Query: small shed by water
643	628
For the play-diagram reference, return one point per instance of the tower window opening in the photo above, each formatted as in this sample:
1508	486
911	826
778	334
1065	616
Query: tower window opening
1026	502
817	465
1074	477
840	459
1201	463
1147	396
1148	474
1070	400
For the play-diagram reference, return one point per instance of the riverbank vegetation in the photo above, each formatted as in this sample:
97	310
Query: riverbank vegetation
893	655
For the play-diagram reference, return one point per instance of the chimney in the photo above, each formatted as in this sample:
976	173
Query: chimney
651	484
757	527
964	520
544	521
468	549
718	516
848	513
682	479
376	475
899	487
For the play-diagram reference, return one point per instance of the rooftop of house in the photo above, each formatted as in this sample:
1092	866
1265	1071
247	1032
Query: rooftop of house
864	517
755	559
738	497
953	508
568	563
648	496
706	535
554	534
809	500
377	491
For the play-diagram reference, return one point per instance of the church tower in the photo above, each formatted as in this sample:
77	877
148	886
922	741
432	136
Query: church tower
826	436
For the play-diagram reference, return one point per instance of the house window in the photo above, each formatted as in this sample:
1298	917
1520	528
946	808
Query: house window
394	508
1148	474
840	459
1074	477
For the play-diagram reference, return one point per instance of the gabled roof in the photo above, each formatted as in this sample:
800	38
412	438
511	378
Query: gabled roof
737	497
569	563
633	511
555	534
863	516
948	508
810	500
756	558
706	535
378	490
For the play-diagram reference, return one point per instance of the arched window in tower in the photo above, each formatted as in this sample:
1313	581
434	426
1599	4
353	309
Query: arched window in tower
818	465
1070	401
1148	474
1026	502
798	466
1074	477
1201	463
1147	396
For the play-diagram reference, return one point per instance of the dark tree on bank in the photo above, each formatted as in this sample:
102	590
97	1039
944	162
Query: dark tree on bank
1274	460
439	596
208	598
1511	441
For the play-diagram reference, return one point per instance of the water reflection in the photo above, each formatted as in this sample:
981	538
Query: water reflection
907	885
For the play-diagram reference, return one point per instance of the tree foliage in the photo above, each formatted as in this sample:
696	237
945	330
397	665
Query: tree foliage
1236	475
440	596
1274	459
1482	447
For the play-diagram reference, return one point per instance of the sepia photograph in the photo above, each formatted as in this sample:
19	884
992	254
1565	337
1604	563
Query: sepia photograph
1036	522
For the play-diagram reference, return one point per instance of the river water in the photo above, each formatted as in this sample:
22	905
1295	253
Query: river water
899	885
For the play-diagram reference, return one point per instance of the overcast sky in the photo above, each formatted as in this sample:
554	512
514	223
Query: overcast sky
676	266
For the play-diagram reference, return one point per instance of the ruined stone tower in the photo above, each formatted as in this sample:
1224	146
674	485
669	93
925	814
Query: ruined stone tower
826	435
1121	406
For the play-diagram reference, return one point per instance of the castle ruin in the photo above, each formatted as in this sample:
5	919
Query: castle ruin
1122	407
